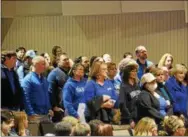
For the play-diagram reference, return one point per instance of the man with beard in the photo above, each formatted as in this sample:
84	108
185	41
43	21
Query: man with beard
57	78
141	54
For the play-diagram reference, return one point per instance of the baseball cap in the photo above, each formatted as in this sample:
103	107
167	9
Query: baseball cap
147	78
30	53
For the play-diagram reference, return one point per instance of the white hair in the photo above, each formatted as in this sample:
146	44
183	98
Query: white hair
37	59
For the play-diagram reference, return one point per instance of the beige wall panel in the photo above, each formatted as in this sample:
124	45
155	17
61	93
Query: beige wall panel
28	8
91	7
149	6
160	32
8	9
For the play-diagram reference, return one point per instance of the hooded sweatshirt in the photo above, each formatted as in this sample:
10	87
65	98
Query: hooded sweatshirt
73	94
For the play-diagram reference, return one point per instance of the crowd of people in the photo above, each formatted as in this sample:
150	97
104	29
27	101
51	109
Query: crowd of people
83	97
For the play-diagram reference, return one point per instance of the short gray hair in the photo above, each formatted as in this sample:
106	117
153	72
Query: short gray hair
37	59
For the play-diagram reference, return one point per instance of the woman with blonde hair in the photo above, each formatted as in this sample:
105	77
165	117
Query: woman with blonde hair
178	90
174	126
21	123
146	127
166	60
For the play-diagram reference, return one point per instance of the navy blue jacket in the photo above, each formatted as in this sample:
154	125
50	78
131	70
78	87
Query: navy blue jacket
56	78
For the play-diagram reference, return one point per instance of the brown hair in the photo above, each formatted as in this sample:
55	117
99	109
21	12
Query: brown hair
156	71
110	64
172	123
81	129
95	69
8	54
20	118
105	130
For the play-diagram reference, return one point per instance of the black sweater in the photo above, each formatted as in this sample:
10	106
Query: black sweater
148	106
8	98
128	99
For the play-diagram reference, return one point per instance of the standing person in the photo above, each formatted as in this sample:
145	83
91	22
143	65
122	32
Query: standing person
148	101
162	89
128	55
143	63
112	71
20	52
73	91
24	69
107	58
56	52
178	90
100	95
11	91
129	92
85	62
35	87
48	60
166	61
57	78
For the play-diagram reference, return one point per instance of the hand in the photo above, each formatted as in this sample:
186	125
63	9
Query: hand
51	113
105	98
58	109
108	104
132	124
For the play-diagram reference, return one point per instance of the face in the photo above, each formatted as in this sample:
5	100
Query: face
58	51
142	54
168	62
166	73
41	66
160	77
6	127
151	86
85	62
180	131
79	71
20	54
180	76
154	131
47	57
11	62
64	62
133	74
107	58
112	71
103	70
